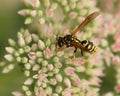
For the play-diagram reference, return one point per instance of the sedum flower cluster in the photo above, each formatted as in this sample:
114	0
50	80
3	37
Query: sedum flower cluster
109	37
52	73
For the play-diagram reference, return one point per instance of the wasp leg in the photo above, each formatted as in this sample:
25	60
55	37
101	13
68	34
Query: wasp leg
61	48
74	53
81	52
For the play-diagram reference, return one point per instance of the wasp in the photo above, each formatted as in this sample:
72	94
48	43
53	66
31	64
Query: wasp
71	40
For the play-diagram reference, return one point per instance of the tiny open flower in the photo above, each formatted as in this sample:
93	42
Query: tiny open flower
49	12
95	81
117	37
69	71
48	53
73	15
117	88
116	60
79	61
67	92
116	47
41	77
76	80
85	85
32	55
41	93
33	13
59	78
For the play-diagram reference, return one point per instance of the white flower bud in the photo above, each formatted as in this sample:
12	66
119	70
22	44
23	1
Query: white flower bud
50	67
27	49
21	50
29	81
33	13
27	66
55	94
49	91
58	89
39	54
25	88
50	74
48	42
10	66
21	42
54	6
19	34
10	50
64	2
17	93
24	60
11	42
67	82
44	63
28	20
56	59
24	12
41	45
42	21
104	43
40	13
53	81
27	73
18	59
34	47
9	57
59	77
28	93
43	85
28	39
35	37
36	67
47	3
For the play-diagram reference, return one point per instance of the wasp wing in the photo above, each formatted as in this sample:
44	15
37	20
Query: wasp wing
85	22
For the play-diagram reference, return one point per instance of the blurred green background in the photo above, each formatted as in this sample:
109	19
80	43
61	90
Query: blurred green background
10	23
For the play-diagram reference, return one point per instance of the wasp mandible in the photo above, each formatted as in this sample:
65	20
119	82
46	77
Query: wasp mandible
72	41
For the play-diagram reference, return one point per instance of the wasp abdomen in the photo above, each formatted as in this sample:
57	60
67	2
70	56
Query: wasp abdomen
89	46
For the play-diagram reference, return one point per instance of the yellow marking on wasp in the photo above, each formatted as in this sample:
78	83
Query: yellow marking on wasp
95	49
92	48
89	46
85	44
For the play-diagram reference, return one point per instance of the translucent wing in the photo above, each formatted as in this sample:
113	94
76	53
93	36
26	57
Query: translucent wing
85	22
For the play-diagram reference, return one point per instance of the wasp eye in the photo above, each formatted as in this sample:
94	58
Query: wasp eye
60	41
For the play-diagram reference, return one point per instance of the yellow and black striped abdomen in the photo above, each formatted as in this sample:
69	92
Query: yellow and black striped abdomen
89	46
